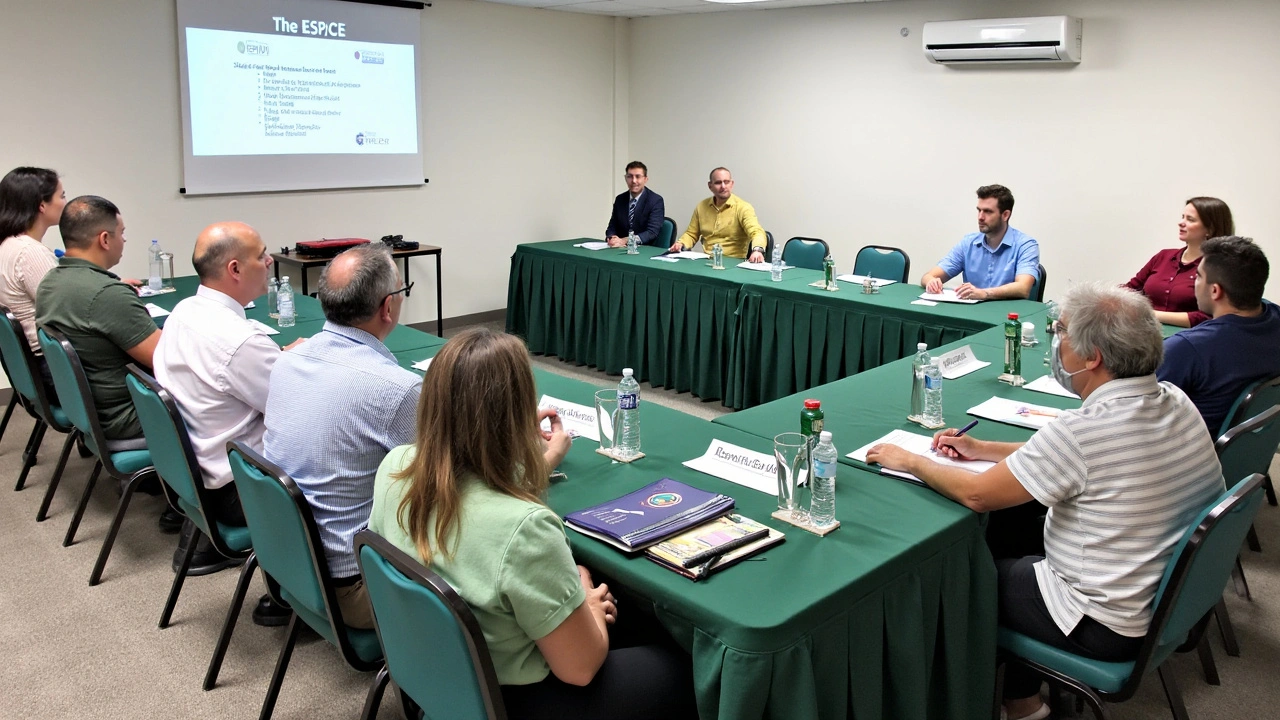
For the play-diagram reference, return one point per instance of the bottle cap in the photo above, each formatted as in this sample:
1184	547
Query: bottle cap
627	372
812	404
825	437
1013	316
922	346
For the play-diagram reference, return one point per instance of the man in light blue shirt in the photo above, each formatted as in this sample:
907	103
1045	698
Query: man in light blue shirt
999	262
338	404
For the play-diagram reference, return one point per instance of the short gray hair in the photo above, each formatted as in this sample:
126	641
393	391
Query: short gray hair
210	265
1116	322
371	280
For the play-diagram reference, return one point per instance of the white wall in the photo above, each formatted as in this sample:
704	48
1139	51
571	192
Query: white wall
837	127
516	107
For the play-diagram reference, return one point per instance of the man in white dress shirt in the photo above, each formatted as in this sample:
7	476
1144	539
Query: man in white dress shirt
217	365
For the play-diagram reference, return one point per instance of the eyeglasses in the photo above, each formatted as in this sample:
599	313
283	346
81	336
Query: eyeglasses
404	290
1059	328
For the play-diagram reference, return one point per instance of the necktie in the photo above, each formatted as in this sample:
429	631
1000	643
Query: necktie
631	213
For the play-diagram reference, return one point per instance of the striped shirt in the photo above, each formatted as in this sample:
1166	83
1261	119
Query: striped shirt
1123	477
337	405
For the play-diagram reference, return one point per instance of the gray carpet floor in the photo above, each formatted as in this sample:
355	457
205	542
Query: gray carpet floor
68	650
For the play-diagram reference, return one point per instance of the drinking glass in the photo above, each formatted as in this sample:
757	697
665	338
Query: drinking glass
790	452
606	409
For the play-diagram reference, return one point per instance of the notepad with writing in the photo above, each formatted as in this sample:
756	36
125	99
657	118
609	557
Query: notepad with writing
713	544
648	515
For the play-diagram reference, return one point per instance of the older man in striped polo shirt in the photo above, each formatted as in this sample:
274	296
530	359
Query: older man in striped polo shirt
1122	478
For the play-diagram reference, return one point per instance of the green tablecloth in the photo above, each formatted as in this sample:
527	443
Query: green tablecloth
891	616
793	336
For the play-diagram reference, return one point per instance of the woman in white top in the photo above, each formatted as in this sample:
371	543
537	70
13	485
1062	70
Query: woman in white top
31	201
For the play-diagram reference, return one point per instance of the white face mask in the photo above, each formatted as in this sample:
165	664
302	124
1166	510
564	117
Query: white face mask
1055	363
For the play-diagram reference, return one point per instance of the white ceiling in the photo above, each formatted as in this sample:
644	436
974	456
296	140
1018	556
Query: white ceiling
646	8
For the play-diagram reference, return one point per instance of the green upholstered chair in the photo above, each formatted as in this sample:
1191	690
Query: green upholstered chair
1253	400
882	262
804	252
768	247
287	545
666	236
131	467
1192	585
29	392
1037	288
183	485
433	645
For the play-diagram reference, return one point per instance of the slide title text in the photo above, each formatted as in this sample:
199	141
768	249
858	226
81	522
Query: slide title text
319	28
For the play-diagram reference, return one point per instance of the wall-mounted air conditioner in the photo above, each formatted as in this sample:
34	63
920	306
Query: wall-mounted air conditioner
1053	39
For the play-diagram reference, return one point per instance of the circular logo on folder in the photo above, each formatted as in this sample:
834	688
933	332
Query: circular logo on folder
664	499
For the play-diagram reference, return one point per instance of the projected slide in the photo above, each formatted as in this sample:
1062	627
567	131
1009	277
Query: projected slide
262	94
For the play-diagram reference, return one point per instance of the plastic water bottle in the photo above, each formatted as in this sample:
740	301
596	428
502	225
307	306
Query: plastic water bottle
628	423
918	366
285	298
822	505
933	394
273	298
829	273
633	243
155	264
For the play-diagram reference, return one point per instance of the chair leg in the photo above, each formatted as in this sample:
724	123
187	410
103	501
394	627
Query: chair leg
374	699
1266	483
1172	693
1241	584
29	457
229	626
1207	664
84	503
178	578
8	412
1252	539
1228	631
110	539
43	512
273	691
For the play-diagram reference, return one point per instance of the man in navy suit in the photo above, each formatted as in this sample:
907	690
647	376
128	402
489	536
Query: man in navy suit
637	210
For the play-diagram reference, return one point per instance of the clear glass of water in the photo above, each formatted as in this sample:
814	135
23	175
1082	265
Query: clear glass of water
790	453
606	412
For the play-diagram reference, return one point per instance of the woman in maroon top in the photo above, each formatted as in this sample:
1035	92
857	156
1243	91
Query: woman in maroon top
1169	279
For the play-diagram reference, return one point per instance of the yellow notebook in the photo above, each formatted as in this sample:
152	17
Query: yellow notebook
713	546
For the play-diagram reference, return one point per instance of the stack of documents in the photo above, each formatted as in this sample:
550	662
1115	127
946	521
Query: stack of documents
947	295
1012	412
649	515
595	245
920	445
713	546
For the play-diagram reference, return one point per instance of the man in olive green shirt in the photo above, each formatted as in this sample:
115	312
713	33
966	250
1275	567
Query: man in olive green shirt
724	219
102	317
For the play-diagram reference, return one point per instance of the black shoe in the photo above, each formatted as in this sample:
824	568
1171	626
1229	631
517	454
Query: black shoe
269	613
170	521
205	560
83	449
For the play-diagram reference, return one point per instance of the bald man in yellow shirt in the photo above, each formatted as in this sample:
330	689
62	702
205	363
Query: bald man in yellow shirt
724	219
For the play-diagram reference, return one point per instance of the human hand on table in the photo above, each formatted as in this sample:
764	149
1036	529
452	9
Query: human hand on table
615	241
599	599
675	247
934	286
756	256
968	291
558	441
890	456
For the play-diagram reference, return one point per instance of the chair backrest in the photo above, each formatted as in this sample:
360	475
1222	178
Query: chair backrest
883	262
805	252
1037	288
170	445
1255	398
1198	571
286	540
768	246
20	364
434	648
1250	446
74	395
667	235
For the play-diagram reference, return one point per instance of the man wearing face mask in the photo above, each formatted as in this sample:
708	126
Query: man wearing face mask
1088	591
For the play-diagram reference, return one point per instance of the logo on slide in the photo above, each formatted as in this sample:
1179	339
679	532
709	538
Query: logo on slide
366	139
359	138
252	48
371	57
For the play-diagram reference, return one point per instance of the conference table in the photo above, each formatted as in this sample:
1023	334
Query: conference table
732	334
892	615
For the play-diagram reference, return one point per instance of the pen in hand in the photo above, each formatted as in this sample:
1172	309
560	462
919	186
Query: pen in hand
959	433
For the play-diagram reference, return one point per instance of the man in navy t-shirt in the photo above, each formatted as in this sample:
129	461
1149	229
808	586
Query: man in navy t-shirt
1216	360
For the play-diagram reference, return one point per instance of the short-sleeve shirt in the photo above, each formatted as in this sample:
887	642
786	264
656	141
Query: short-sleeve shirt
1017	254
1123	477
1216	360
510	561
24	261
102	318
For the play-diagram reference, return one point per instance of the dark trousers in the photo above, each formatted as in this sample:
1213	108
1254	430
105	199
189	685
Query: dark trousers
1022	607
224	505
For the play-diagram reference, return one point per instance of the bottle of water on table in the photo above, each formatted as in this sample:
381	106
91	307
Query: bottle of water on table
155	265
933	394
285	299
822	506
273	298
628	422
775	272
633	243
918	366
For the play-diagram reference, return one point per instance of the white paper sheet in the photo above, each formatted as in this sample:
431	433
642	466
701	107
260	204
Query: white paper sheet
959	363
145	291
762	266
665	258
926	303
748	468
251	305
880	282
947	295
1012	412
156	311
264	327
1047	384
690	255
594	245
423	364
578	420
920	445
